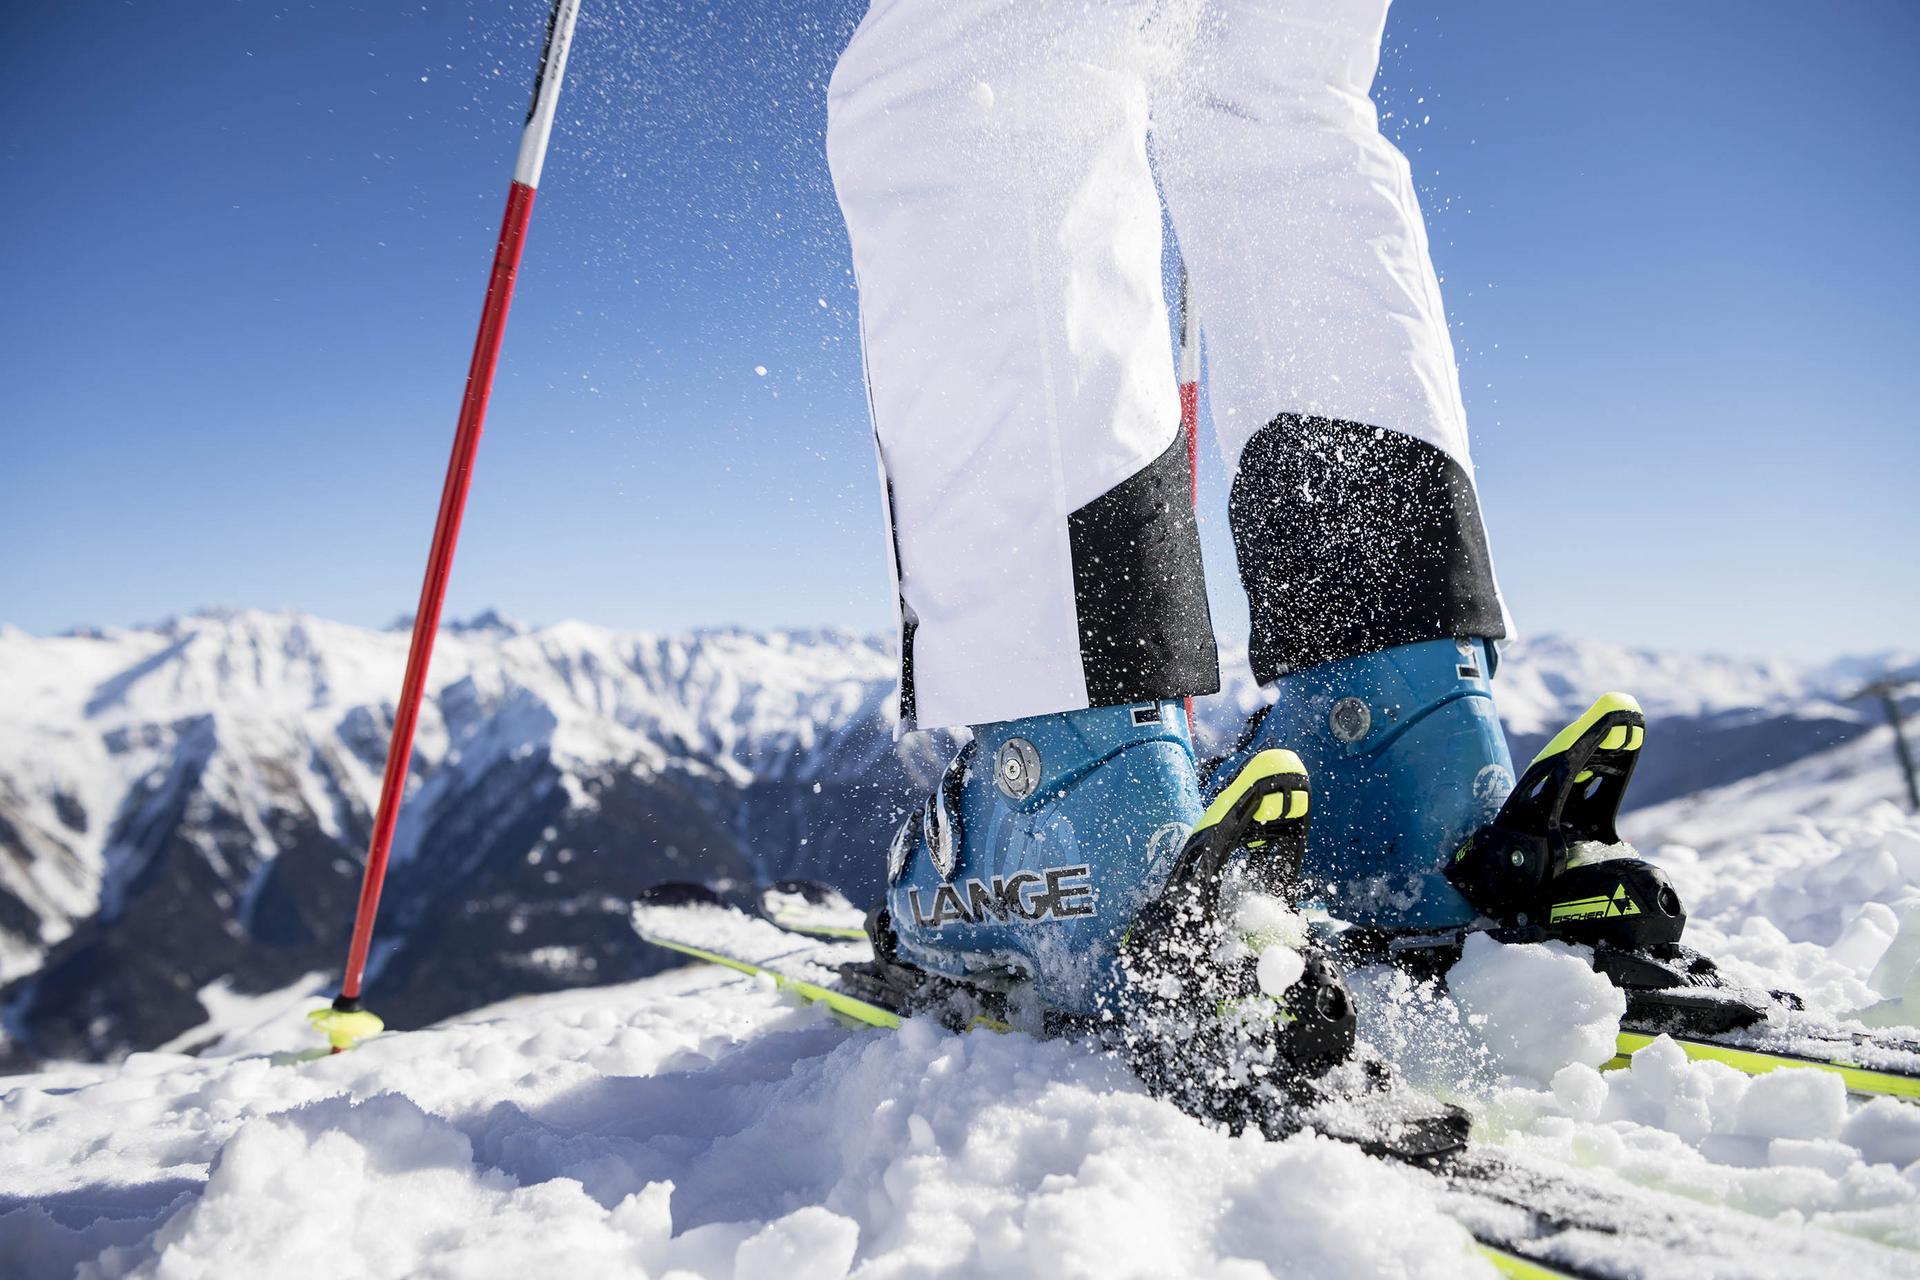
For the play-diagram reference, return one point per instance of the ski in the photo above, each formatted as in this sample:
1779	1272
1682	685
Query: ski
808	906
1872	1063
1712	1021
1528	1218
1846	1056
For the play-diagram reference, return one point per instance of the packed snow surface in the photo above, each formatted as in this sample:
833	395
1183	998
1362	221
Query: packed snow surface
698	1122
703	1123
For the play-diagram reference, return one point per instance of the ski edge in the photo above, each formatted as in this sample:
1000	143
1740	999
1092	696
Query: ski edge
1860	1080
839	1001
837	933
1515	1267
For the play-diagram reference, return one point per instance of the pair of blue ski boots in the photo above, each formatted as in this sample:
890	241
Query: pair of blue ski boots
1083	860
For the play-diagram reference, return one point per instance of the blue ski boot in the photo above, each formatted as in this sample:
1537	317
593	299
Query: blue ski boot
1408	759
1420	832
1035	852
1067	857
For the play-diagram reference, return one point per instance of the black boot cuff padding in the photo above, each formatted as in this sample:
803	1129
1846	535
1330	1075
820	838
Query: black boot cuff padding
1354	538
1140	590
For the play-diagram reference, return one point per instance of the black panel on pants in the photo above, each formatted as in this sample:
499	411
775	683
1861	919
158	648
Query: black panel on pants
1140	589
1353	538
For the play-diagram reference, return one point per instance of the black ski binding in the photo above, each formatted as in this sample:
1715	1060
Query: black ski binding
1199	1029
1542	869
1533	865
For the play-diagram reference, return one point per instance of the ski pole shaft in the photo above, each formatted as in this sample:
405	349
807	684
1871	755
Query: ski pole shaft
453	495
1889	696
1190	378
1190	398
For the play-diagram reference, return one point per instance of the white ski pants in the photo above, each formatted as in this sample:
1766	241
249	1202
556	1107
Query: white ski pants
991	160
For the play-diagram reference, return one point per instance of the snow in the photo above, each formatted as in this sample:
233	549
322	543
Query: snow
1544	681
696	1122
1771	1145
1802	878
266	712
239	1023
1279	967
703	1123
1536	1008
798	911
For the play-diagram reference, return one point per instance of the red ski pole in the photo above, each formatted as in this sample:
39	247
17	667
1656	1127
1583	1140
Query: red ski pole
346	1023
1190	397
1190	378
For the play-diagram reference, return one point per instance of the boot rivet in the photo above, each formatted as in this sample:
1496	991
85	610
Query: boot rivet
1350	719
1017	769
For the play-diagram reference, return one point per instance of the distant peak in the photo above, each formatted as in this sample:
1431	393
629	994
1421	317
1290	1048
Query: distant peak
215	615
487	621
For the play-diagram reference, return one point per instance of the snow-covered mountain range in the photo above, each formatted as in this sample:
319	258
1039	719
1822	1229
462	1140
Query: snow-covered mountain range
189	802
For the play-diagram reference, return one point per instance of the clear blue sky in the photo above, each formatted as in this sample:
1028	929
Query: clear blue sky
246	242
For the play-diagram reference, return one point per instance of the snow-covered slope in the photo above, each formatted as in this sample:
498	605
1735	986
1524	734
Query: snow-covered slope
91	716
1801	877
700	1123
188	803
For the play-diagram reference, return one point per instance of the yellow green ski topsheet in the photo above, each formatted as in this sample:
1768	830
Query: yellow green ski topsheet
1861	1080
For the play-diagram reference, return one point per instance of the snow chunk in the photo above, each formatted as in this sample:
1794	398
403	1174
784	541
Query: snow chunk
1536	1007
1665	1090
1793	1104
807	1244
1263	920
1885	1131
379	1188
1581	1090
1280	968
1896	975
